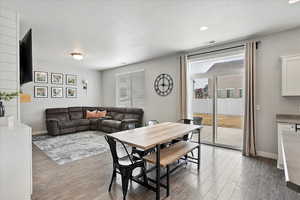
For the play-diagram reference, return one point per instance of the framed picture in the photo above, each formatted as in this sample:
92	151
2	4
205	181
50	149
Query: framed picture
57	78
57	92
40	77
71	92
71	80
41	91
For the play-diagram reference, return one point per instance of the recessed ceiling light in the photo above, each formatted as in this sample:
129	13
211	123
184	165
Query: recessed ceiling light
203	28
77	55
293	1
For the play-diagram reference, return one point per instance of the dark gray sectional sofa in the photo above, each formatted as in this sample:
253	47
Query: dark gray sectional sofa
61	121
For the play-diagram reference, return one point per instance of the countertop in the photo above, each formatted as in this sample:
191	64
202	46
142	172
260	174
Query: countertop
291	161
288	118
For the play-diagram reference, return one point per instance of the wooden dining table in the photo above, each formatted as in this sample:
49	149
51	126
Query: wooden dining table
153	136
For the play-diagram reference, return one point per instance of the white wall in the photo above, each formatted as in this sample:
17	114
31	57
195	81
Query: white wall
9	62
33	113
269	86
156	107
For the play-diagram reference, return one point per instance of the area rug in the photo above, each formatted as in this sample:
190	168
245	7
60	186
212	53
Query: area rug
67	148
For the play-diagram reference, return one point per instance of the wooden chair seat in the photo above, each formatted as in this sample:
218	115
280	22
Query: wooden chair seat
172	153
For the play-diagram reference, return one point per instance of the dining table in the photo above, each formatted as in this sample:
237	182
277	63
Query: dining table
152	137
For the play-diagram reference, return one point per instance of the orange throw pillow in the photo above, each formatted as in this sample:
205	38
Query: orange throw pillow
101	114
91	114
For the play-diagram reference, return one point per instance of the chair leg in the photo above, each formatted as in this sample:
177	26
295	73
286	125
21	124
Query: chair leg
126	174
112	179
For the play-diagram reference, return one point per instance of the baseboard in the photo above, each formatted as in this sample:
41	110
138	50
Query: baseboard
267	155
40	132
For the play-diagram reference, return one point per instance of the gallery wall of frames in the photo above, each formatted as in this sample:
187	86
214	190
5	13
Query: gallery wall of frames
55	85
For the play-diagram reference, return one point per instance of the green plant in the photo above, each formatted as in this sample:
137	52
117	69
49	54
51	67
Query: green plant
6	96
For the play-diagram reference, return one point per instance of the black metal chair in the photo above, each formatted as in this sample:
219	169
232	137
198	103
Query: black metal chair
124	166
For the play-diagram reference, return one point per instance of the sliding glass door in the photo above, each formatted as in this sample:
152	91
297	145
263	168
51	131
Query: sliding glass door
217	87
229	110
202	104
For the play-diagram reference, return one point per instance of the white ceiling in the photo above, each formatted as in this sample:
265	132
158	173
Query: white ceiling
111	32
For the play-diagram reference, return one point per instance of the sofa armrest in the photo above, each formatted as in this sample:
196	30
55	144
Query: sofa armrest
53	126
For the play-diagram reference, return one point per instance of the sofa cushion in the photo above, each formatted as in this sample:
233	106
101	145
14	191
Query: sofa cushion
118	116
67	124
111	123
82	122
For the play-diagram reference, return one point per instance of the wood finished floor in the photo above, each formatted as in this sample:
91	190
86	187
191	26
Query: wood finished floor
224	174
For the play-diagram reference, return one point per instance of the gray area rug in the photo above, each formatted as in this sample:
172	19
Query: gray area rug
67	148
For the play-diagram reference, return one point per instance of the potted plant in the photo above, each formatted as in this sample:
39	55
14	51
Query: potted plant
6	96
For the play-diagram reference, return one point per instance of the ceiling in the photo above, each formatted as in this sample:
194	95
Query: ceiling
112	33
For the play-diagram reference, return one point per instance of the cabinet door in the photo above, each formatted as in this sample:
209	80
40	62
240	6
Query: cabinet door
291	76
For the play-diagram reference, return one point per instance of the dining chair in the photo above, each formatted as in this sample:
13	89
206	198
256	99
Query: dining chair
151	122
124	165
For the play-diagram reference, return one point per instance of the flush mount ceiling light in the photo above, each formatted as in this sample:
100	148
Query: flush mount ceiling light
293	1
203	28
77	55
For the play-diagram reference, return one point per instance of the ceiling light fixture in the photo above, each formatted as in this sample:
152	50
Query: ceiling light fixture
203	28
293	1
77	55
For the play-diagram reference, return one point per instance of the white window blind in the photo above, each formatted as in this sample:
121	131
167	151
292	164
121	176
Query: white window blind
130	89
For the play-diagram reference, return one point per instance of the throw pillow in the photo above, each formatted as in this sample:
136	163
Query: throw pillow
91	114
101	114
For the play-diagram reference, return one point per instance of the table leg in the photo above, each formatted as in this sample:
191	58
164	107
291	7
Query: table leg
199	149
157	172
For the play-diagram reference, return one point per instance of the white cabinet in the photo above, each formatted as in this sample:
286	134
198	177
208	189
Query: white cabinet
290	75
15	163
282	127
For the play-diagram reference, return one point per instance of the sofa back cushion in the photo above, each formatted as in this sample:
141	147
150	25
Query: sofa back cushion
118	116
57	113
75	113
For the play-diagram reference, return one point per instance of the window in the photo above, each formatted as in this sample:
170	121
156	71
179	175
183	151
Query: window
130	89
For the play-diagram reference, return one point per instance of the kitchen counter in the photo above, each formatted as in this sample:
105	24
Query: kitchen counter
291	154
288	118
